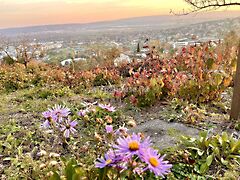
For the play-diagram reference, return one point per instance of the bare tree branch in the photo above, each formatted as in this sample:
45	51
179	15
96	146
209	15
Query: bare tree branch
25	51
201	5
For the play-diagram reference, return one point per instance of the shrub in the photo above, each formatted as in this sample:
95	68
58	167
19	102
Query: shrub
207	156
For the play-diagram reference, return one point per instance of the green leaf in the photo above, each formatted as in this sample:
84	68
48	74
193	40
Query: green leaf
9	138
55	176
225	136
63	159
7	159
76	177
200	152
69	170
218	79
210	63
234	157
209	160
220	140
203	135
203	168
216	151
194	148
7	145
153	82
235	147
20	150
79	171
102	173
224	162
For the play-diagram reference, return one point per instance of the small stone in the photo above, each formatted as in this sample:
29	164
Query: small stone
132	123
42	153
53	163
54	155
97	136
42	166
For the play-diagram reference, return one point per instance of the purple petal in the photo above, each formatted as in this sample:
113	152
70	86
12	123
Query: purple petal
62	128
46	124
109	128
66	133
73	130
73	123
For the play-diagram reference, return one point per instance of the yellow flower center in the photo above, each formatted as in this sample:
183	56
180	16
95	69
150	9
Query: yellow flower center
68	126
133	146
153	161
108	161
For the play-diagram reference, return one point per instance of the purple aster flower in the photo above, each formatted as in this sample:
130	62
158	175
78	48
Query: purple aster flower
111	108
131	145
87	104
83	112
103	106
155	163
109	128
60	111
109	159
50	118
46	124
107	107
47	114
68	128
138	170
121	131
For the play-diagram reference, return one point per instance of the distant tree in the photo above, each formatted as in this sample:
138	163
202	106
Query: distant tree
138	47
4	45
231	38
25	52
8	60
111	55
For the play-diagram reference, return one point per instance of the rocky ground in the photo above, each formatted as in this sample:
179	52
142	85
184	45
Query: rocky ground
152	121
165	134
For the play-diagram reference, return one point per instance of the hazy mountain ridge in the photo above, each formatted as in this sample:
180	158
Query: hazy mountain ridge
161	22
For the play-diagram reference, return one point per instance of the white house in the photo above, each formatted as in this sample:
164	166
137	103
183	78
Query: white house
121	59
66	62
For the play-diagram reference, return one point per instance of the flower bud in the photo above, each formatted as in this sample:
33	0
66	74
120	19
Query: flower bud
109	119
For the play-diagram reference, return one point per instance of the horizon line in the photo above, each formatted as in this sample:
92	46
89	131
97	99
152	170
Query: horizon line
104	21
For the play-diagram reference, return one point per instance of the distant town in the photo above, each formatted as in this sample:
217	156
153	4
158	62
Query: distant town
64	50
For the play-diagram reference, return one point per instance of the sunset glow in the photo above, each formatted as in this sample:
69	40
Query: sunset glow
27	12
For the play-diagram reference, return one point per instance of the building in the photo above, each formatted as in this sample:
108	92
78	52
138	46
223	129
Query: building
123	58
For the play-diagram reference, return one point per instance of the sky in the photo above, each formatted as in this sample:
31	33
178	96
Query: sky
18	13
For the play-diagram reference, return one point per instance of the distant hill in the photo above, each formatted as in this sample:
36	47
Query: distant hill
150	22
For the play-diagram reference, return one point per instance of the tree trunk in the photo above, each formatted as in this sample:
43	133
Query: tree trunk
25	59
235	108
